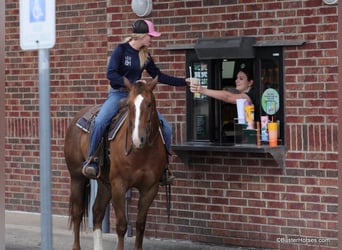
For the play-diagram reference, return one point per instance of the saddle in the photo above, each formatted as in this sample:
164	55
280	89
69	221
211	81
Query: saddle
86	121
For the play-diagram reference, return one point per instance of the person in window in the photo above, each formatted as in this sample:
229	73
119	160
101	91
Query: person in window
244	89
129	59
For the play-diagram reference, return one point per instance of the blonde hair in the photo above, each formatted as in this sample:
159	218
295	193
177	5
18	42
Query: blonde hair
143	51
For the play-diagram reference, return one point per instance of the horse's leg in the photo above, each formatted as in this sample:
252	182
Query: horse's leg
145	200
75	148
78	197
118	201
99	208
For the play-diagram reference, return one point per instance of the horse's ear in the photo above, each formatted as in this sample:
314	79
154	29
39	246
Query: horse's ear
127	83
153	83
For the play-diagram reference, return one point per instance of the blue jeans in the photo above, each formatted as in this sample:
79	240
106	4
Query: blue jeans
167	131
108	110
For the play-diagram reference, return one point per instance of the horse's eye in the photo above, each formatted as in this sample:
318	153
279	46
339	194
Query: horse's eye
149	105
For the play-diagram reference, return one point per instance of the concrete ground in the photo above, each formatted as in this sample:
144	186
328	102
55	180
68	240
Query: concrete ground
23	232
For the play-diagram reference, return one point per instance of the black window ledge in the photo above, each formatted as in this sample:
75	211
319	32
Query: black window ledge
182	150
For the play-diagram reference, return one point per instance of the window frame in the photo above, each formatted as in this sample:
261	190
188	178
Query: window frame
215	120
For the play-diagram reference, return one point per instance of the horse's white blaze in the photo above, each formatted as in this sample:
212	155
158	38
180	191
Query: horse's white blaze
135	136
97	235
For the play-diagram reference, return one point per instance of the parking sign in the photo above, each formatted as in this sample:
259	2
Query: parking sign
37	24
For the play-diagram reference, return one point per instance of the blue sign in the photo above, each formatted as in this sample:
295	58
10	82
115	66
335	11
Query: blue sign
37	24
37	11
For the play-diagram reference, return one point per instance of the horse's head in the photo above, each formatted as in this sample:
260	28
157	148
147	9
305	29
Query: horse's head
142	110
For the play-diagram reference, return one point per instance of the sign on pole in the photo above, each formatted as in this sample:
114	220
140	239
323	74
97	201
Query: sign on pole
37	24
37	32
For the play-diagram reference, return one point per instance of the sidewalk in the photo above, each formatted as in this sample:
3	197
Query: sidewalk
23	232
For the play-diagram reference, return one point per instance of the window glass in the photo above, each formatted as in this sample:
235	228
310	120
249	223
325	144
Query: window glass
228	111
271	90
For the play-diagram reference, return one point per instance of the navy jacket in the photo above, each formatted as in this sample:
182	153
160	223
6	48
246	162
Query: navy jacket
124	62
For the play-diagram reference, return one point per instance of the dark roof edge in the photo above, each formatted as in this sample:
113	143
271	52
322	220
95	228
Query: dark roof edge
269	43
179	47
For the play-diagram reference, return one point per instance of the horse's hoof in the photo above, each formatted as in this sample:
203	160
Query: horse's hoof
90	170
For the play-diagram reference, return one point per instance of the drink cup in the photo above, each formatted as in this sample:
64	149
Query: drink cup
194	83
240	105
273	133
249	113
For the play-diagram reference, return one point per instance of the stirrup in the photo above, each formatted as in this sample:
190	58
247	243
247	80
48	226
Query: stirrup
167	177
91	169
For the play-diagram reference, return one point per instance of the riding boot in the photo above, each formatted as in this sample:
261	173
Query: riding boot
167	177
90	168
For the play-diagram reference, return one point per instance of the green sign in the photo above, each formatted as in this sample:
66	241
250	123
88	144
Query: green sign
270	101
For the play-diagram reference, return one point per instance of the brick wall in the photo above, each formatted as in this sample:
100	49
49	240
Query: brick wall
77	64
220	198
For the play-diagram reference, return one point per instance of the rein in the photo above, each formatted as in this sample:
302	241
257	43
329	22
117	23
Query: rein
128	151
168	201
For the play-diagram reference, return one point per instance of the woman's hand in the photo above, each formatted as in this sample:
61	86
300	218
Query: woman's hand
195	86
188	81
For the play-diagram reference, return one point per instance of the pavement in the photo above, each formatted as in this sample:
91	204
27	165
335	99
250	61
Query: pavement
23	232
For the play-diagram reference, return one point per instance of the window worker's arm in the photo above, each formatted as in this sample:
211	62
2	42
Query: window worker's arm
222	95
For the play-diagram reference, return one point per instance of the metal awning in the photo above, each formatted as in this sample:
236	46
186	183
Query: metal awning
225	48
279	43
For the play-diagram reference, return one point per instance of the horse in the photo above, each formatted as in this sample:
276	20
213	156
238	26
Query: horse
137	159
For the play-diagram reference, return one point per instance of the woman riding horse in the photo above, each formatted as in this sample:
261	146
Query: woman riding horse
129	60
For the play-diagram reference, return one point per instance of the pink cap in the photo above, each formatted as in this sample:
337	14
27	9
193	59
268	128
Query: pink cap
151	30
145	27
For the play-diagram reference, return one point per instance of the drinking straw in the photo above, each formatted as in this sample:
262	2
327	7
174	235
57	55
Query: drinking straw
190	71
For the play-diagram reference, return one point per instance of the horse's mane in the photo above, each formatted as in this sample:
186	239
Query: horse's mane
140	86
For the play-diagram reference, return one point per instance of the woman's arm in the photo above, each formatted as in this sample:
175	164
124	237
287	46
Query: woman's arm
154	71
222	95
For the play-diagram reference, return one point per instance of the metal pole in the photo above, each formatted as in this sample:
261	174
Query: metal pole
128	197
93	192
45	145
2	125
106	219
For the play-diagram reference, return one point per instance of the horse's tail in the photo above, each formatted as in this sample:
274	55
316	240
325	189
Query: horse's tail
84	208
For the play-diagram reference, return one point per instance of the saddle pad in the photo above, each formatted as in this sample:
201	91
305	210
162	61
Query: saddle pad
85	121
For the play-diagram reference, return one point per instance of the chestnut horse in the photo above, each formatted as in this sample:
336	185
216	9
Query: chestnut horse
137	159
